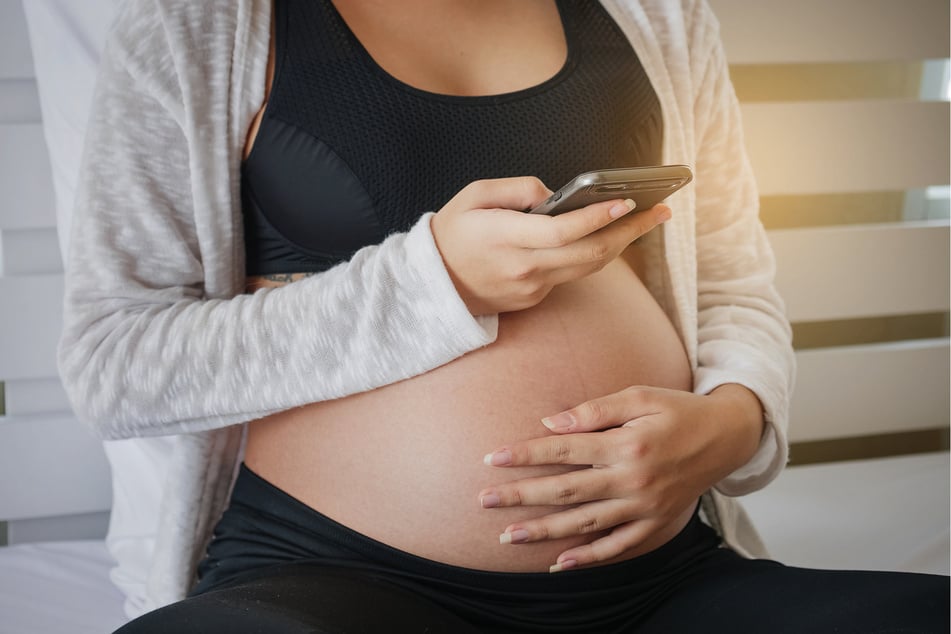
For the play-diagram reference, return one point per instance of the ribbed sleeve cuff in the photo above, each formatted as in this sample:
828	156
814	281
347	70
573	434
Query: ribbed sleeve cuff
773	451
422	254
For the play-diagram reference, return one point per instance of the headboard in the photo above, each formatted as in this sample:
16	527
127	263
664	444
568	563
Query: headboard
848	133
54	479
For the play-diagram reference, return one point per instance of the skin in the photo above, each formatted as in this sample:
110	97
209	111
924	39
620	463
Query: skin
647	452
640	456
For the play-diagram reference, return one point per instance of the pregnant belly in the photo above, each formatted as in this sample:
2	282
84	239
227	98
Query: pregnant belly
403	463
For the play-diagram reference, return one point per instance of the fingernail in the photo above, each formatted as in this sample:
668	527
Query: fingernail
565	565
559	422
498	458
621	208
518	536
490	500
664	216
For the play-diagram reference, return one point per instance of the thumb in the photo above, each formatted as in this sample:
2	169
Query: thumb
600	413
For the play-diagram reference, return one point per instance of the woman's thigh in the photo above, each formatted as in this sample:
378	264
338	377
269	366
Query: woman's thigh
719	592
298	598
737	595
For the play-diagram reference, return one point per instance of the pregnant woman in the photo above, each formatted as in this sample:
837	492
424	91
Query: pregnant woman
474	420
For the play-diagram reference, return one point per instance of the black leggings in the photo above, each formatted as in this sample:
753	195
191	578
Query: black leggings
276	566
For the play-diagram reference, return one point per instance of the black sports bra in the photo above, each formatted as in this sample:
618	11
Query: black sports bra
346	154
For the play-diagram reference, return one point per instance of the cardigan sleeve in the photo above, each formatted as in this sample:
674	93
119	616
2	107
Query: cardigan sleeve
144	351
743	334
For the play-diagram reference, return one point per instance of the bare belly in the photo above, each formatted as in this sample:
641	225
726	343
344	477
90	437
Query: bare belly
403	463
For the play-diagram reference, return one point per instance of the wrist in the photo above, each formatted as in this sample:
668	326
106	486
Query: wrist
741	414
473	304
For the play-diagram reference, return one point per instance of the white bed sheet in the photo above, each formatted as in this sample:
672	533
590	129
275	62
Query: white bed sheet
879	514
58	588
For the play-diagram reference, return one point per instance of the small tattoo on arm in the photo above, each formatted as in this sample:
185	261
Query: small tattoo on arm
281	278
273	280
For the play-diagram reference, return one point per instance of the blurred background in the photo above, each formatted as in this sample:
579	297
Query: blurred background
846	112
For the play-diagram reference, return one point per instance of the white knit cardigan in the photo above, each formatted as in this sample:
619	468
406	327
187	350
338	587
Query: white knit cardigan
159	338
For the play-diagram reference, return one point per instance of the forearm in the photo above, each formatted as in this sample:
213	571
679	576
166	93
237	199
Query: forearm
135	366
158	337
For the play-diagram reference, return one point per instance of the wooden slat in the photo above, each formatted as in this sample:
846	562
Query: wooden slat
872	389
852	271
15	59
30	322
851	146
779	31
58	528
26	189
51	465
25	397
30	251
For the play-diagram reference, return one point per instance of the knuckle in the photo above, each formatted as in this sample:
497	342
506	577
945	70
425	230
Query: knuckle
599	251
633	226
566	495
633	450
536	185
560	235
476	187
532	187
525	272
592	411
637	396
555	233
588	524
642	483
634	392
559	451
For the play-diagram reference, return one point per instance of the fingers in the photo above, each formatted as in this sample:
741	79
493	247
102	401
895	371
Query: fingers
539	231
605	412
522	192
621	538
609	515
584	254
542	232
566	488
595	517
611	221
576	449
502	260
584	520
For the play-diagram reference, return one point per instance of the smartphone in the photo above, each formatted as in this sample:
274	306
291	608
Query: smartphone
646	186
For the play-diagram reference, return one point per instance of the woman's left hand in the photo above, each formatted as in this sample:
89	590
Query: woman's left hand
648	454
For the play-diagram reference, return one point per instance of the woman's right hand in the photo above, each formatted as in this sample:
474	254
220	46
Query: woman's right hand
502	259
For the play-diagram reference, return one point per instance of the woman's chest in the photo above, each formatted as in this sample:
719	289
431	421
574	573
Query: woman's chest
349	152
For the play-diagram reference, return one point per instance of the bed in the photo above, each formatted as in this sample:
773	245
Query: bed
60	586
850	112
